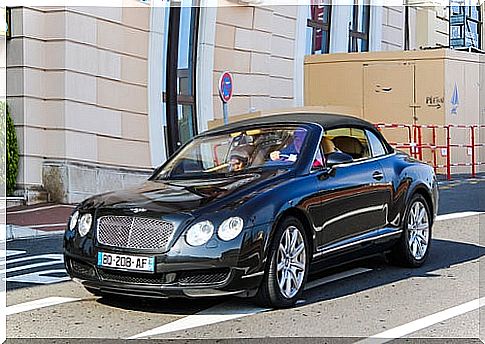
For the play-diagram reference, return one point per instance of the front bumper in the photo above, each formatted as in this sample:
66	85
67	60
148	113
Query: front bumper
217	268
184	283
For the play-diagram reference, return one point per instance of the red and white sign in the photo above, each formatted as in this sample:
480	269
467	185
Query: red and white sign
225	86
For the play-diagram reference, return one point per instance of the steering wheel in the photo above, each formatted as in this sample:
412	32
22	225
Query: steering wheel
284	156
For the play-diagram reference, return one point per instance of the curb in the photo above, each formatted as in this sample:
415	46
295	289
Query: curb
461	180
19	232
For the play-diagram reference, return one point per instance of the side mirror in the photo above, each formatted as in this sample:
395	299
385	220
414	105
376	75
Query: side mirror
337	158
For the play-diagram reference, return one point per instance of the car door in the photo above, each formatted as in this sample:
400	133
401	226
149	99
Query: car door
354	197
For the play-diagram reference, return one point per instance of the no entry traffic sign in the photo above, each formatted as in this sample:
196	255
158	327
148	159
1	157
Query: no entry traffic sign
225	87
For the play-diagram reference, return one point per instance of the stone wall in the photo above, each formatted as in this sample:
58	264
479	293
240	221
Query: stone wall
77	88
69	182
257	44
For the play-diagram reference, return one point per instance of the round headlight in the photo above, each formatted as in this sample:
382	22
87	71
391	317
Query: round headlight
85	224
230	228
73	220
200	233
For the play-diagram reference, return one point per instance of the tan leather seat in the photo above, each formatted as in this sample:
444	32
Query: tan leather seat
328	146
349	145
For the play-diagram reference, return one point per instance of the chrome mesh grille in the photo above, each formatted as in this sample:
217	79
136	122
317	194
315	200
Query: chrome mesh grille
134	232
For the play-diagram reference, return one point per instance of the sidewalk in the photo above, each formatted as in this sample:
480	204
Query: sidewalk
37	220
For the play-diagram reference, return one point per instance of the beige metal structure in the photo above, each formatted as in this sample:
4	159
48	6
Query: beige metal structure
439	86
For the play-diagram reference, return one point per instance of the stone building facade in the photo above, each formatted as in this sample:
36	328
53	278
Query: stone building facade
102	95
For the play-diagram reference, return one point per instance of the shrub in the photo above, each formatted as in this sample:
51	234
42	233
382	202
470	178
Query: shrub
12	162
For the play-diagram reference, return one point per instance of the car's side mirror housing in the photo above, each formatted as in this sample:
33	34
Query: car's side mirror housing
337	158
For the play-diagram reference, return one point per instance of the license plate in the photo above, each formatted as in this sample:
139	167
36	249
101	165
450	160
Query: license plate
122	261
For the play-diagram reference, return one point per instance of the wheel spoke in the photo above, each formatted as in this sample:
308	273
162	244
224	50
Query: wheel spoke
411	239
282	281
422	226
411	218
297	251
298	265
422	238
288	284
280	265
282	250
419	249
422	213
414	247
294	238
294	276
287	241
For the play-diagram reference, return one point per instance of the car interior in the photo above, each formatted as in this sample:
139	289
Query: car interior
347	140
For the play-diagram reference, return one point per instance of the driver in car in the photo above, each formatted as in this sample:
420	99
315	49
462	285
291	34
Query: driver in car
291	151
239	159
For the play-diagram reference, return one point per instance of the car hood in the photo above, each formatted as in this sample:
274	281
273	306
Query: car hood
186	196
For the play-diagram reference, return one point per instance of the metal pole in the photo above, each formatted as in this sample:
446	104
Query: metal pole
472	128
225	113
434	150
420	143
448	153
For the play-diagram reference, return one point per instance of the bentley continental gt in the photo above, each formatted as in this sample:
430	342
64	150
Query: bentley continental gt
248	208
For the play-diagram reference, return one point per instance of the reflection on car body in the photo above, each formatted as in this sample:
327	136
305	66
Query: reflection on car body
228	215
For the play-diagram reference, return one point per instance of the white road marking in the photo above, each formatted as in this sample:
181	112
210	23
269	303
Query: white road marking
40	208
36	304
55	256
336	277
53	260
230	311
422	323
15	253
452	216
216	314
40	277
48	225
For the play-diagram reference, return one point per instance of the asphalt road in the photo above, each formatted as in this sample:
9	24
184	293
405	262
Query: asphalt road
362	300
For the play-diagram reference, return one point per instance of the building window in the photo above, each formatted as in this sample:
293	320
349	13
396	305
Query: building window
318	29
8	18
465	26
359	27
179	95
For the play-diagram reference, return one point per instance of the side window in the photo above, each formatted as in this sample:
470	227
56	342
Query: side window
375	144
352	141
318	162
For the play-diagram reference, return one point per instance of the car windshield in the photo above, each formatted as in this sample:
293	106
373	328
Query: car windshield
236	152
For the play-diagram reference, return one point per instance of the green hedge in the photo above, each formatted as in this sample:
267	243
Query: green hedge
12	162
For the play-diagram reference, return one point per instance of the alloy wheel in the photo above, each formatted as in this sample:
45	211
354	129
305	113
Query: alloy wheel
418	230
291	262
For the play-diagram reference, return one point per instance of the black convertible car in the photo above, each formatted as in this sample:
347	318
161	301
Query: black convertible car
248	208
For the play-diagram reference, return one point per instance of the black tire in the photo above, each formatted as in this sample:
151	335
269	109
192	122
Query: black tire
269	293
401	253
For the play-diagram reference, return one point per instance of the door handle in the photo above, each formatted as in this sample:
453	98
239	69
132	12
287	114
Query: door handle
377	175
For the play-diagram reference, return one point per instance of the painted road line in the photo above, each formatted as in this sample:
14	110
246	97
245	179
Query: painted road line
35	265
50	256
41	277
404	330
336	277
11	253
232	310
48	225
40	208
216	314
36	304
452	216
